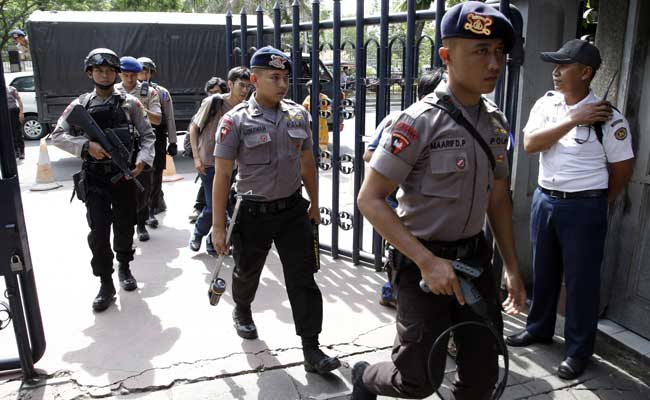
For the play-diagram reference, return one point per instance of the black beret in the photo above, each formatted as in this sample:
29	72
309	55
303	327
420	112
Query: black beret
476	20
271	58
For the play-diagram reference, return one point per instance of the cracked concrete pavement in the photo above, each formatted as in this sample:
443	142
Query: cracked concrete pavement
164	341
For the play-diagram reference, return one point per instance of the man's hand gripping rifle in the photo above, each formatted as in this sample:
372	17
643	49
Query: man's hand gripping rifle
120	156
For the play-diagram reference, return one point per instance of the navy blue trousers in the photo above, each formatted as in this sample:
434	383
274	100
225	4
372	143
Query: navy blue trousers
567	236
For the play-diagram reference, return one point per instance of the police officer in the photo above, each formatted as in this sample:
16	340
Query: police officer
586	160
106	202
164	132
449	177
269	138
148	96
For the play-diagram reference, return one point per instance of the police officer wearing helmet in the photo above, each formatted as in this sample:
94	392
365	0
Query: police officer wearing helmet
108	203
449	179
269	138
586	160
166	130
148	96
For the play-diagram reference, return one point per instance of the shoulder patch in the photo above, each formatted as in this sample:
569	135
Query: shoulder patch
226	127
402	133
621	134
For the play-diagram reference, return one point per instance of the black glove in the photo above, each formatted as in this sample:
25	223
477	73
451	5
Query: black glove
172	150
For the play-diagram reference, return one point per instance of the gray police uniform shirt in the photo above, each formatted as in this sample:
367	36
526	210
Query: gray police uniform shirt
167	110
63	138
12	98
445	177
151	101
578	161
267	145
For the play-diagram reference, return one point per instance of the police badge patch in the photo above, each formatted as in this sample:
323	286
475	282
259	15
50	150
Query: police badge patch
478	24
277	62
621	134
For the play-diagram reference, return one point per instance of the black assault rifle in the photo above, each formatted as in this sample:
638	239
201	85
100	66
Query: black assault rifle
120	156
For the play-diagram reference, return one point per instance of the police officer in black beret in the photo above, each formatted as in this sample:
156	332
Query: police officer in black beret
269	138
449	177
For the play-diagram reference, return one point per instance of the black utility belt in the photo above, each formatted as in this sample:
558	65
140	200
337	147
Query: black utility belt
99	167
463	248
273	206
583	194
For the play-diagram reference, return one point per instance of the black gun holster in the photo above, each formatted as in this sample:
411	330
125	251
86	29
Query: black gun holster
80	180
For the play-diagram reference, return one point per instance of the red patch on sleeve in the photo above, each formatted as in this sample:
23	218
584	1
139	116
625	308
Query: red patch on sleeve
226	126
407	130
402	135
398	143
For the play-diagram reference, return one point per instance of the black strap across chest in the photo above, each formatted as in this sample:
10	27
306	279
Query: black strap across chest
454	112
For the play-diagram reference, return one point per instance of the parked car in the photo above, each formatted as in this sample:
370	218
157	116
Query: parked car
24	83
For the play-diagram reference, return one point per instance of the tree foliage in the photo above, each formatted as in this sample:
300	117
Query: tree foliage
14	13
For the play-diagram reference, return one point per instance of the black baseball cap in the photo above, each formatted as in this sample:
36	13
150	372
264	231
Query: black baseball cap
575	51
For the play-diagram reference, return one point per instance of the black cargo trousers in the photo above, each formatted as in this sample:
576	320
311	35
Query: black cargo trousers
156	196
142	197
286	223
109	204
422	317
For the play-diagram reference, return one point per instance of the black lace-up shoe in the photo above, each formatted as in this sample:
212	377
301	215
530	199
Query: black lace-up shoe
319	362
244	324
524	338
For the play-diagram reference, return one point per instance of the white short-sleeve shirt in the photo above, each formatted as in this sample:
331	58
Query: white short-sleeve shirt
578	161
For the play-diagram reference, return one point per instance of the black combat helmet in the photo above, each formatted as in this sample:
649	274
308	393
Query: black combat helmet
102	56
147	63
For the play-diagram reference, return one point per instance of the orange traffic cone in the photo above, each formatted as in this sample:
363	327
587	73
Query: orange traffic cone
44	174
169	173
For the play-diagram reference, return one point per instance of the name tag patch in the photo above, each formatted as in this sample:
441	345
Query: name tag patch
253	129
451	143
498	140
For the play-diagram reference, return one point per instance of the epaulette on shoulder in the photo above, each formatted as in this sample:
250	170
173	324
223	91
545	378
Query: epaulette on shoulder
550	93
242	105
419	107
290	102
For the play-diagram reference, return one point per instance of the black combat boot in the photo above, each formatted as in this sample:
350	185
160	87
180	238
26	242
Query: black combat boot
315	360
106	294
143	235
359	390
244	325
152	221
127	281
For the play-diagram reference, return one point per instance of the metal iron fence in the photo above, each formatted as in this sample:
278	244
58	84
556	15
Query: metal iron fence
341	169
